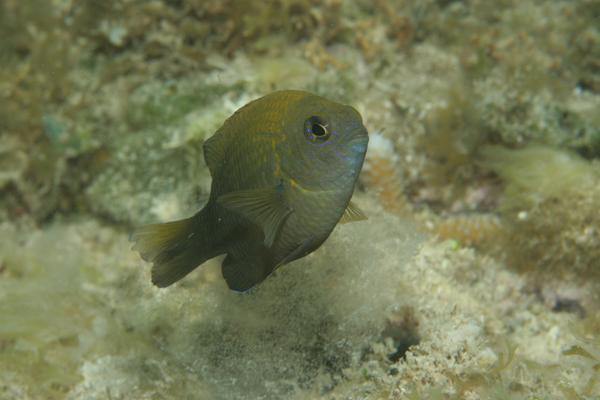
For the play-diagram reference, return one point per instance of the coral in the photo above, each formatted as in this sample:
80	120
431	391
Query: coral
503	353
380	174
473	230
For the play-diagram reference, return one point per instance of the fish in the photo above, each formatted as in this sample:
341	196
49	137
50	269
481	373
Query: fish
283	170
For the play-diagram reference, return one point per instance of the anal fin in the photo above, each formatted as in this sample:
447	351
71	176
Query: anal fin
246	265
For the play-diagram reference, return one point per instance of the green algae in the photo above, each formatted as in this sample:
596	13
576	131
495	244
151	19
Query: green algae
168	105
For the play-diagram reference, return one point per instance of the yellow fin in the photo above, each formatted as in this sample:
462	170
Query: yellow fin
352	214
151	240
171	250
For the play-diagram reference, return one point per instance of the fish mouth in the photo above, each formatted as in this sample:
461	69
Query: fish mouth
359	142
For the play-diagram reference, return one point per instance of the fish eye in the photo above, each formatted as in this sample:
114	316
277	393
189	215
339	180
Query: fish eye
316	129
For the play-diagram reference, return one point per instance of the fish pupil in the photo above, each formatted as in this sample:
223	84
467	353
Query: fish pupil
316	128
319	130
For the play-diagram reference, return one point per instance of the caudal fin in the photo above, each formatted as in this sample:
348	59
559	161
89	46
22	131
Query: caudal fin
174	249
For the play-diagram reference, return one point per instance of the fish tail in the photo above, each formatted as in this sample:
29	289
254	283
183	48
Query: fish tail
174	248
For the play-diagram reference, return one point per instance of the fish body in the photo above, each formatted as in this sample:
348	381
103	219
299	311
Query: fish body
283	171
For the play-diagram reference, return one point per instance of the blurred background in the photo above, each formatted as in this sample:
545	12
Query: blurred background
476	276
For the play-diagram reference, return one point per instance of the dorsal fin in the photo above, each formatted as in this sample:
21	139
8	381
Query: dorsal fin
214	151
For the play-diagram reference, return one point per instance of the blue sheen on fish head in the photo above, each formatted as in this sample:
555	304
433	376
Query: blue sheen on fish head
325	143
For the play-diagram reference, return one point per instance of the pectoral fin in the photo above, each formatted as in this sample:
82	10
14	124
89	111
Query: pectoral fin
265	207
352	214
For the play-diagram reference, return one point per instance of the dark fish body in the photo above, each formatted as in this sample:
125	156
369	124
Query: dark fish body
283	168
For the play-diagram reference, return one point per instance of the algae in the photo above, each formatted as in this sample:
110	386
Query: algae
104	107
230	345
550	201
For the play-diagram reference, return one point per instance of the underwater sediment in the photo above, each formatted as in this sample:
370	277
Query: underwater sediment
476	275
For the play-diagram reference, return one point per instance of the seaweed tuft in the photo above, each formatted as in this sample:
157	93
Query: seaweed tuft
550	203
